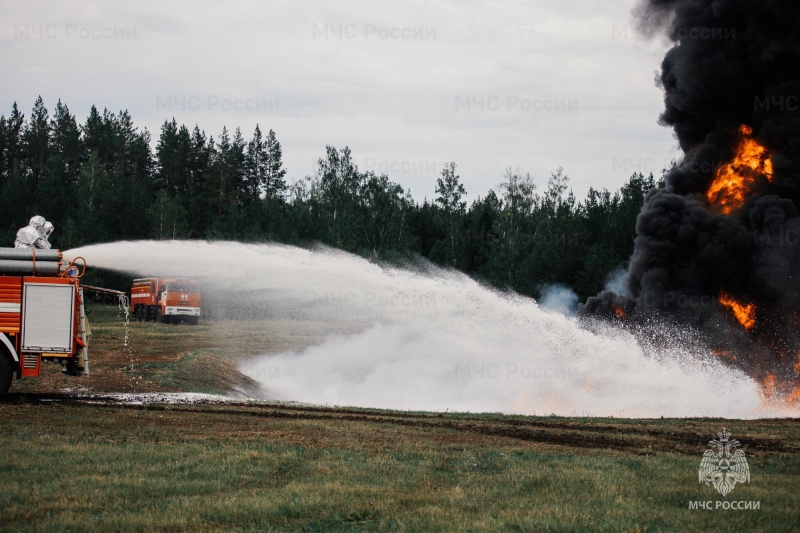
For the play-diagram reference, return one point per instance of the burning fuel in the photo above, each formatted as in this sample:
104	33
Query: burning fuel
715	251
745	313
736	181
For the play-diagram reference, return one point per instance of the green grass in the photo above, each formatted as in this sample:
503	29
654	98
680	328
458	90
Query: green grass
73	466
80	467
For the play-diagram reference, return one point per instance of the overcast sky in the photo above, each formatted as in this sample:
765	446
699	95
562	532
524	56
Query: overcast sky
407	85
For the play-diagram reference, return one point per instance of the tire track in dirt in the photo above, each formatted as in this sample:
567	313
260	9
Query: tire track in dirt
573	433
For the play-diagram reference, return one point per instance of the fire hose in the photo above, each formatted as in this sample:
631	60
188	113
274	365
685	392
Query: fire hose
104	290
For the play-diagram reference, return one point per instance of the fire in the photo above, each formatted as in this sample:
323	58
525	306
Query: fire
620	313
795	395
768	386
778	397
724	354
735	179
744	313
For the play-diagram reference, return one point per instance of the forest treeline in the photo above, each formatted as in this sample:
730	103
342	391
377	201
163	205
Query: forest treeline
100	181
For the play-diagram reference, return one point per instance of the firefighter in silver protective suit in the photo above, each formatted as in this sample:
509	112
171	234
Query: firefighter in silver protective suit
35	234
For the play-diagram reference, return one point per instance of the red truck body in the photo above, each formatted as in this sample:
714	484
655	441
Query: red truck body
42	317
166	299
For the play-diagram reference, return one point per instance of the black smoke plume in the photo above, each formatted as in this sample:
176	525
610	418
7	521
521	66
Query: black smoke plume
733	63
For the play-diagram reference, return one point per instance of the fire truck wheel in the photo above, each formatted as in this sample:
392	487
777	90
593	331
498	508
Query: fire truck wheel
6	373
192	320
140	313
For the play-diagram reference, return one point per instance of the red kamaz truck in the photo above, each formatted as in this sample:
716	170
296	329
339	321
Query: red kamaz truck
166	300
42	317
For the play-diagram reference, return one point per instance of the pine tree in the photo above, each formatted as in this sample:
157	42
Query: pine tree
36	141
138	186
93	132
198	208
480	231
172	158
274	184
15	125
255	167
219	174
67	141
235	163
450	191
224	183
15	198
60	181
167	162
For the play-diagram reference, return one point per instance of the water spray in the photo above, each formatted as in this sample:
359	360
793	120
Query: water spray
124	307
435	339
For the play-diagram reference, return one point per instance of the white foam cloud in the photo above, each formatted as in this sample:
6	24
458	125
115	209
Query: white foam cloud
437	340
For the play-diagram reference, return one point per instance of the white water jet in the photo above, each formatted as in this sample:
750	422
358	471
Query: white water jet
435	340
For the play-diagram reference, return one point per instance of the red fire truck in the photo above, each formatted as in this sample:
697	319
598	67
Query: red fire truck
166	300
42	318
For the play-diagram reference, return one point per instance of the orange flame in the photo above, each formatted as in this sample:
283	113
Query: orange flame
744	313
778	398
620	313
723	354
735	179
768	386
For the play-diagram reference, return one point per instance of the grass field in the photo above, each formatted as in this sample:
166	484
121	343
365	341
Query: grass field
69	464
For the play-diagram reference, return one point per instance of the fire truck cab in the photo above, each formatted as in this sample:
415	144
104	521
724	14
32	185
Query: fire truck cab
42	317
166	300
